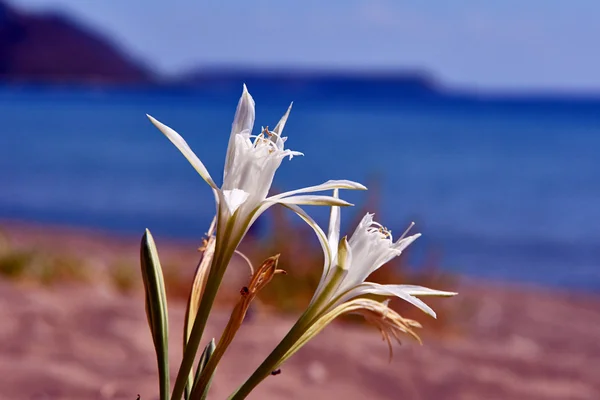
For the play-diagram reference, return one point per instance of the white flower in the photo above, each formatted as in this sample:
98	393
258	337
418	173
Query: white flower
250	166
343	290
348	263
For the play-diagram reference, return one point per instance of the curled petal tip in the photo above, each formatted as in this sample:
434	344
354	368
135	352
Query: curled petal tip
157	123
247	97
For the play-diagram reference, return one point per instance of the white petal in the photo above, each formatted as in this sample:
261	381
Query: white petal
329	185
322	240
415	290
244	114
184	148
243	121
388	290
281	124
333	234
362	226
313	200
234	198
402	244
320	235
291	153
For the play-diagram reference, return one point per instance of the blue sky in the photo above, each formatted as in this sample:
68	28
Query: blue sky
508	44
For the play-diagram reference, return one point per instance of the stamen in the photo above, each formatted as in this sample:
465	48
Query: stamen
262	140
407	230
273	136
387	233
376	227
375	223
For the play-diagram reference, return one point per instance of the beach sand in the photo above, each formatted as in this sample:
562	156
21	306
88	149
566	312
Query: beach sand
88	341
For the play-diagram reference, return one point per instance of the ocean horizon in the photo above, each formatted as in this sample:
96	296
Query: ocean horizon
503	189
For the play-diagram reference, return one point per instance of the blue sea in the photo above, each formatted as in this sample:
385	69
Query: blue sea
502	189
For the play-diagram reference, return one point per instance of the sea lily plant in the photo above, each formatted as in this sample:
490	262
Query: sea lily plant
250	165
343	289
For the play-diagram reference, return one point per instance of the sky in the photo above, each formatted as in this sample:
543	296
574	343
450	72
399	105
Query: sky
498	45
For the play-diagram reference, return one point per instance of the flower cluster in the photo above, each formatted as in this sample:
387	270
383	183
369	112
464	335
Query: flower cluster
250	165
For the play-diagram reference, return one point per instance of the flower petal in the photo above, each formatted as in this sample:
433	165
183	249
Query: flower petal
402	244
329	185
281	124
387	290
415	290
243	121
327	251
333	233
184	148
320	234
313	200
234	198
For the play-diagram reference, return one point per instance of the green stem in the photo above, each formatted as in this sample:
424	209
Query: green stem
208	297
274	359
290	340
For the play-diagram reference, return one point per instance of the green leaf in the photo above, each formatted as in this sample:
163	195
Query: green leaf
156	308
206	354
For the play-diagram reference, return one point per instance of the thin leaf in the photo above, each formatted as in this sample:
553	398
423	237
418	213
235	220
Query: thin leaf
156	308
206	354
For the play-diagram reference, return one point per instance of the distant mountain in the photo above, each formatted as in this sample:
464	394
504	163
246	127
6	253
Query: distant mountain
311	83
51	47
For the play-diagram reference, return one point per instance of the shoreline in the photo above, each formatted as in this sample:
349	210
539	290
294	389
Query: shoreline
106	246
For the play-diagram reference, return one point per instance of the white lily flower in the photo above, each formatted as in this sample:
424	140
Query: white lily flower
348	263
250	166
343	290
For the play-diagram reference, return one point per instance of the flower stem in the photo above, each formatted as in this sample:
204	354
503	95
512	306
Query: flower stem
290	341
274	359
213	282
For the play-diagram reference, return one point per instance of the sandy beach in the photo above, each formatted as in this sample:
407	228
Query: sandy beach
87	340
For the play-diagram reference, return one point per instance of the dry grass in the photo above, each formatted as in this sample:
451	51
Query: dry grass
40	266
